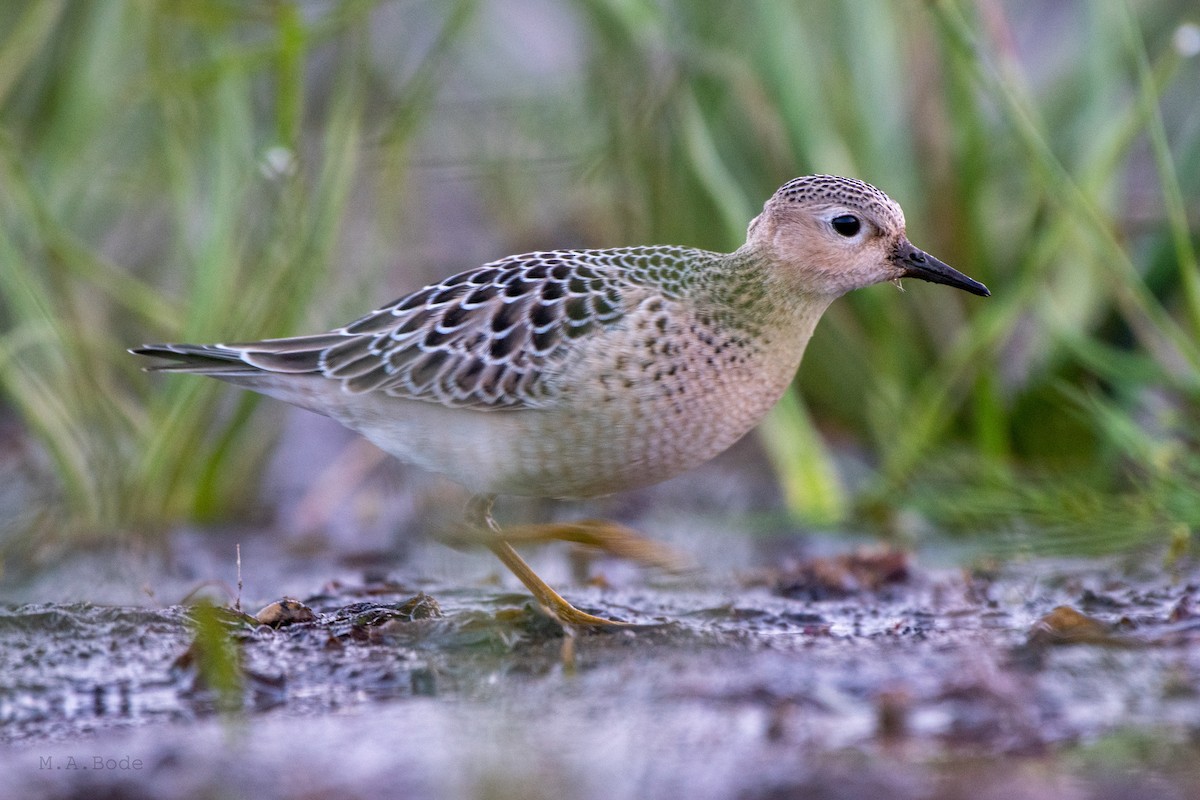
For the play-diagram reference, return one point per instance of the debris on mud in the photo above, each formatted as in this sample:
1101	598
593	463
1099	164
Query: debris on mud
862	669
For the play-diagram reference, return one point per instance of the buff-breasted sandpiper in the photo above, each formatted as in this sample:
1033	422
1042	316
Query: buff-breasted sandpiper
577	373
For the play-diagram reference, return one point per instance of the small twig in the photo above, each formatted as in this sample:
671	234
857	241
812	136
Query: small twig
237	605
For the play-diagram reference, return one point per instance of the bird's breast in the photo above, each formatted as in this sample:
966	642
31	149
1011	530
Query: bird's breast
651	401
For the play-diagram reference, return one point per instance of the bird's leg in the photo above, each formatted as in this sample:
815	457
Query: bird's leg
602	534
479	513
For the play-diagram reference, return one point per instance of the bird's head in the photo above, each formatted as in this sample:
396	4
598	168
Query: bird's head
832	235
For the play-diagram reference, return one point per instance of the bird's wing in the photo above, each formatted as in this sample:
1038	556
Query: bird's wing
490	338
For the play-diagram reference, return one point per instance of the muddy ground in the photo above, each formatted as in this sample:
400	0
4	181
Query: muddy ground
788	663
784	674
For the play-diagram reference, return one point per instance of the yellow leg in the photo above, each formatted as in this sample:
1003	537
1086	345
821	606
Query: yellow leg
480	515
602	534
610	537
547	598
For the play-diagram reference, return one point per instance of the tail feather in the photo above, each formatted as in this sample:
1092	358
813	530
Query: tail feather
201	359
300	354
283	370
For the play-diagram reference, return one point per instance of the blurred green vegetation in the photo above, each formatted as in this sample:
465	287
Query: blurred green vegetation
188	171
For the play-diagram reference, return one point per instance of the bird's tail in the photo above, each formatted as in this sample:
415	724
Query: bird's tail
201	359
297	355
287	369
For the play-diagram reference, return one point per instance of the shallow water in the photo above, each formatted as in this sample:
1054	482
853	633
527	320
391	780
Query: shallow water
812	680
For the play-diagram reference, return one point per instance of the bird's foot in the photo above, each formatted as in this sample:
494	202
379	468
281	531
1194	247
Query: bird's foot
551	601
616	539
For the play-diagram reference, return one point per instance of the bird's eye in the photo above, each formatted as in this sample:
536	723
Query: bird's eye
847	225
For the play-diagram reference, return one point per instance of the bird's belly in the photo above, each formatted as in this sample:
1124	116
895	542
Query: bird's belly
601	442
625	423
586	455
576	450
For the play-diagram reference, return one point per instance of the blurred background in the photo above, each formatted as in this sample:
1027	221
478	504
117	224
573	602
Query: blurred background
217	170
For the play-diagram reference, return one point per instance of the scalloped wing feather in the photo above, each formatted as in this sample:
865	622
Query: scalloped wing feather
492	337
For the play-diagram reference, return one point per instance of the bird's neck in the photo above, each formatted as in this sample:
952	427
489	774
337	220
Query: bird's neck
752	294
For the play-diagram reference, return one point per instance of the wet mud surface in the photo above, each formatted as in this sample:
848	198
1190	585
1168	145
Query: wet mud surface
851	676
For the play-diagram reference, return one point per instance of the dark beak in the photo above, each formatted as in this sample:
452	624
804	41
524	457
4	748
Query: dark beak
919	264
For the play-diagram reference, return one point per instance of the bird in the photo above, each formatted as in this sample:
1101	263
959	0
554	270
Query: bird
580	373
